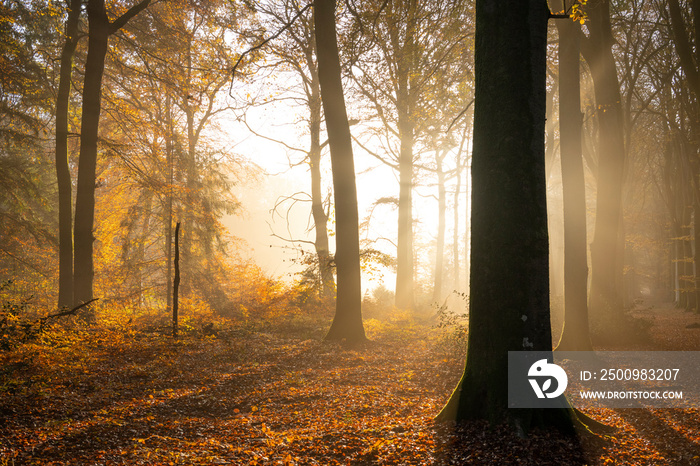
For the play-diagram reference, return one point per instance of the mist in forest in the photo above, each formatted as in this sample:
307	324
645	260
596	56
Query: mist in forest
267	231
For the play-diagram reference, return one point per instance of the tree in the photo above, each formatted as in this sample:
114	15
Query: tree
688	50
100	29
347	323
509	288
575	334
409	55
605	301
164	76
28	32
63	176
299	55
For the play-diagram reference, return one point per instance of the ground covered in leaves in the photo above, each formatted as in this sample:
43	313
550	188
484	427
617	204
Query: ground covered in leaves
127	394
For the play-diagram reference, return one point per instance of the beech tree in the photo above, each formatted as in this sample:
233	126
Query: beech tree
299	55
408	53
575	334
165	76
347	323
605	299
687	47
509	286
63	176
99	31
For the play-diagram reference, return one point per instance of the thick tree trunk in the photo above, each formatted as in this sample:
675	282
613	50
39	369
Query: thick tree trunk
85	195
575	335
509	298
63	177
347	323
605	302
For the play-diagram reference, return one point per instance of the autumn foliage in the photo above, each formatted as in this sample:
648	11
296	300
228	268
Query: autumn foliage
243	392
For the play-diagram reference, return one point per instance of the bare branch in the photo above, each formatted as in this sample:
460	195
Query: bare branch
272	37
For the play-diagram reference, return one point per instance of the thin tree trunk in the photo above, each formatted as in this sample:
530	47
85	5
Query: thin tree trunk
440	246
176	280
575	334
455	232
168	214
347	323
63	177
405	103
317	211
141	250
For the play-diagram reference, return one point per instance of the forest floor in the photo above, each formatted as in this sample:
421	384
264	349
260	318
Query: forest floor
122	394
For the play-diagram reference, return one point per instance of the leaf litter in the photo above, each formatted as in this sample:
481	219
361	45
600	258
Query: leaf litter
247	398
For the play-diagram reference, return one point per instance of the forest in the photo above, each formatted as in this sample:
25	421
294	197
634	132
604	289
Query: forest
315	232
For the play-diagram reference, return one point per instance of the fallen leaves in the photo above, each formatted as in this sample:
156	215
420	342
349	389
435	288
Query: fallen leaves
282	401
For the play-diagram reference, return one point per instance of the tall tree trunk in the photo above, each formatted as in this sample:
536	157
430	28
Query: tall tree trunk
605	302
98	36
440	246
317	211
690	63
509	297
85	194
696	249
455	232
575	335
405	103
143	236
404	297
458	190
63	178
168	211
176	281
347	323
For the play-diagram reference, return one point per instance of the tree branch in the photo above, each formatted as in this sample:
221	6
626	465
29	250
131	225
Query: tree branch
272	37
71	311
120	22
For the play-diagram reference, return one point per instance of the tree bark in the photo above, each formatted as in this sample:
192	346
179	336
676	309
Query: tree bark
176	281
440	246
100	28
85	194
690	62
63	177
405	102
317	211
509	301
575	334
605	302
347	323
